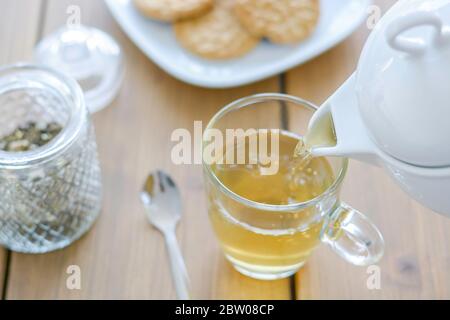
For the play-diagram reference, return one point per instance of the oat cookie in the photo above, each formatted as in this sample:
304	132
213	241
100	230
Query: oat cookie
173	10
281	21
216	35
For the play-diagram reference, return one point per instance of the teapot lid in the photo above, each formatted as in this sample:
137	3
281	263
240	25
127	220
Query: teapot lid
403	83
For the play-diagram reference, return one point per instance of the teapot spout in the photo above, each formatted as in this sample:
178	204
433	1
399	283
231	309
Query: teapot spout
339	118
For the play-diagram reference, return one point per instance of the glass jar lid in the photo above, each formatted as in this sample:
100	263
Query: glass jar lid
88	55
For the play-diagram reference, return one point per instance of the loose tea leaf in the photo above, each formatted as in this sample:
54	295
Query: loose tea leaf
30	136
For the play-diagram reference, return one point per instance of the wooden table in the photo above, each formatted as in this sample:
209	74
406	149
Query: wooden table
123	257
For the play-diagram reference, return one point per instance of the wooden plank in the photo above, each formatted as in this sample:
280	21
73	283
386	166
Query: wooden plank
19	28
122	256
20	20
3	268
417	256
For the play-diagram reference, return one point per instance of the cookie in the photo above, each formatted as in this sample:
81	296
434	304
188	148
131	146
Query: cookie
216	35
281	21
173	10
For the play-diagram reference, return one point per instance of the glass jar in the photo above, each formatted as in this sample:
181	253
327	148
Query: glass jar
50	195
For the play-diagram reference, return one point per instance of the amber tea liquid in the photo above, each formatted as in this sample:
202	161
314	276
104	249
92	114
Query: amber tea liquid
270	242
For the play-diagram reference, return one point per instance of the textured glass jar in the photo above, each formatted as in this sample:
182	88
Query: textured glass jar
51	195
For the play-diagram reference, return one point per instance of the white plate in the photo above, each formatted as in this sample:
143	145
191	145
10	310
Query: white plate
338	20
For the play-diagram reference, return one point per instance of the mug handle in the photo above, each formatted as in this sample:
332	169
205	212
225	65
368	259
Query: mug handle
353	236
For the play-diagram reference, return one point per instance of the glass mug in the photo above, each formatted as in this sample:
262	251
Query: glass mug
272	241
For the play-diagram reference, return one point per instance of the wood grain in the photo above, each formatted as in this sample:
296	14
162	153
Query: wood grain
122	256
3	268
417	256
19	25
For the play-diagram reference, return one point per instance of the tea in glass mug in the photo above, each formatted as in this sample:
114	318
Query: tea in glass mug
268	224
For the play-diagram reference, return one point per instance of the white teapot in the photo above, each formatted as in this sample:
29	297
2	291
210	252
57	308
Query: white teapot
394	111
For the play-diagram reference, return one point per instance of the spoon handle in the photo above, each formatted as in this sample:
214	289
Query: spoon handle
177	266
